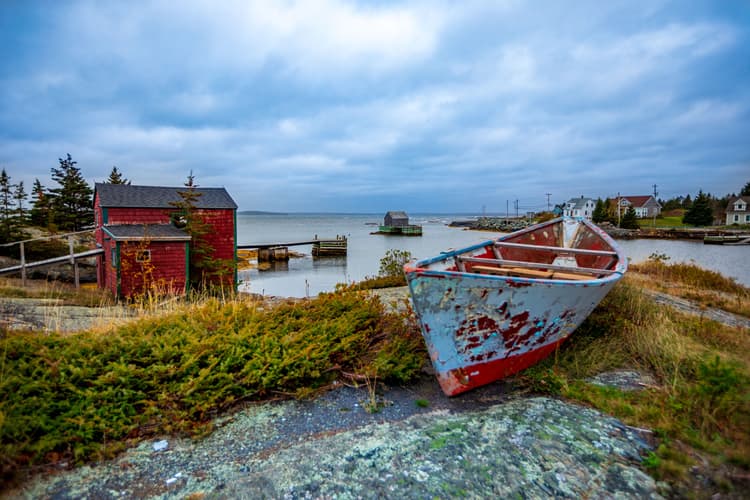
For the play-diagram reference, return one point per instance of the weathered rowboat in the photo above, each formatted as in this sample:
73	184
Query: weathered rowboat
497	307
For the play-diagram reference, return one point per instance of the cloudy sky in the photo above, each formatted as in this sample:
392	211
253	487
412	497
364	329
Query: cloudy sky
346	106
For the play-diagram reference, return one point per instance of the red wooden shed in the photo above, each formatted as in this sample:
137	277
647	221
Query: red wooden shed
143	249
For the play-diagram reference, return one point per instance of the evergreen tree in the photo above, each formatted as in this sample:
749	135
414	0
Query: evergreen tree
745	190
204	268
630	219
672	204
687	202
700	212
6	208
600	212
19	196
71	202
40	215
115	177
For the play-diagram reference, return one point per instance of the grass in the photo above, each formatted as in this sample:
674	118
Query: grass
663	222
66	294
700	404
86	396
707	288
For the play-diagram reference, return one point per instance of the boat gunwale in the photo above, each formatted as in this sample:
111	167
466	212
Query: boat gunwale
614	274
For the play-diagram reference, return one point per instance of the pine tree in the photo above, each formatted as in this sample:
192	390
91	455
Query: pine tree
745	190
205	270
187	218
40	208
700	212
19	196
630	219
71	202
115	177
600	212
6	208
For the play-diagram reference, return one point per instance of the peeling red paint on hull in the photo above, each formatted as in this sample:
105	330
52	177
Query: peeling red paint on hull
497	307
464	379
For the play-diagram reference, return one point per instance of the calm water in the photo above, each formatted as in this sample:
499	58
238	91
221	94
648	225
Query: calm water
307	276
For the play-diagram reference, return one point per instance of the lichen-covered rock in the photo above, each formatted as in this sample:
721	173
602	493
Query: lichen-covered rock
527	447
625	380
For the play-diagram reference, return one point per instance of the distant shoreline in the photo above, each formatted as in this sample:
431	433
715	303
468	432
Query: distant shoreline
260	212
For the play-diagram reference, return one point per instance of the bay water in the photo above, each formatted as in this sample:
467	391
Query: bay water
308	276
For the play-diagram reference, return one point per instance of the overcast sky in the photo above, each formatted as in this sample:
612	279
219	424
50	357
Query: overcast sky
344	106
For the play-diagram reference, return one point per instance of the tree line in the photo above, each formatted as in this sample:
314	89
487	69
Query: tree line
702	210
66	206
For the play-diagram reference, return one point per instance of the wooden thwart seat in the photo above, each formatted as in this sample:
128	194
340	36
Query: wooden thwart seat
530	273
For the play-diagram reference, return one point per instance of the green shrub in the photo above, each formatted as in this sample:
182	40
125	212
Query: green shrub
63	398
392	263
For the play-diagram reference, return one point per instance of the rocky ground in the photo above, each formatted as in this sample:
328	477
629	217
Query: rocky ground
494	442
420	444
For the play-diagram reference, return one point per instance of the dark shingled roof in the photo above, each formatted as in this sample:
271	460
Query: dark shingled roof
397	214
153	232
127	196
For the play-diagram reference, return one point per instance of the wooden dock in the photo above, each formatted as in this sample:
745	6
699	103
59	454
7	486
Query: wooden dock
272	252
330	248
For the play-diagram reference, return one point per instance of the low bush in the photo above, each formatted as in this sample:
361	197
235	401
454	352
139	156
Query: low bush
80	397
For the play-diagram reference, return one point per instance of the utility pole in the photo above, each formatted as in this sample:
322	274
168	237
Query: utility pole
656	193
618	209
507	213
516	209
548	195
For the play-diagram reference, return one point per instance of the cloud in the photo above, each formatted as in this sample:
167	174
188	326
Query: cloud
339	105
309	39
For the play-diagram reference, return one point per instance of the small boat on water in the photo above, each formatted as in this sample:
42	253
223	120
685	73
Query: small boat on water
497	307
727	239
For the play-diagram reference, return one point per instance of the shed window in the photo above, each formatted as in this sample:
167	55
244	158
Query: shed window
143	256
113	256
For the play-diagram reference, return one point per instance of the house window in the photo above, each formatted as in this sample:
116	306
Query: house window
747	218
736	217
143	256
113	257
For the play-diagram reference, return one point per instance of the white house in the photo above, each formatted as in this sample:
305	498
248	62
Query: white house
738	210
579	207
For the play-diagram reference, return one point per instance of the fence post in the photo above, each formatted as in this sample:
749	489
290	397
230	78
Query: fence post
23	265
74	262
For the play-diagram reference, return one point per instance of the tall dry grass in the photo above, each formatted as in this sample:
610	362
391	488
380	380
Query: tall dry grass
701	395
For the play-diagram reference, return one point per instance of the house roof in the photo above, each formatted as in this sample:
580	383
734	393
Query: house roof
141	232
578	203
637	201
734	200
128	196
397	214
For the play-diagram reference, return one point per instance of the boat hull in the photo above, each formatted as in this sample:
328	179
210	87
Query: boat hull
479	328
